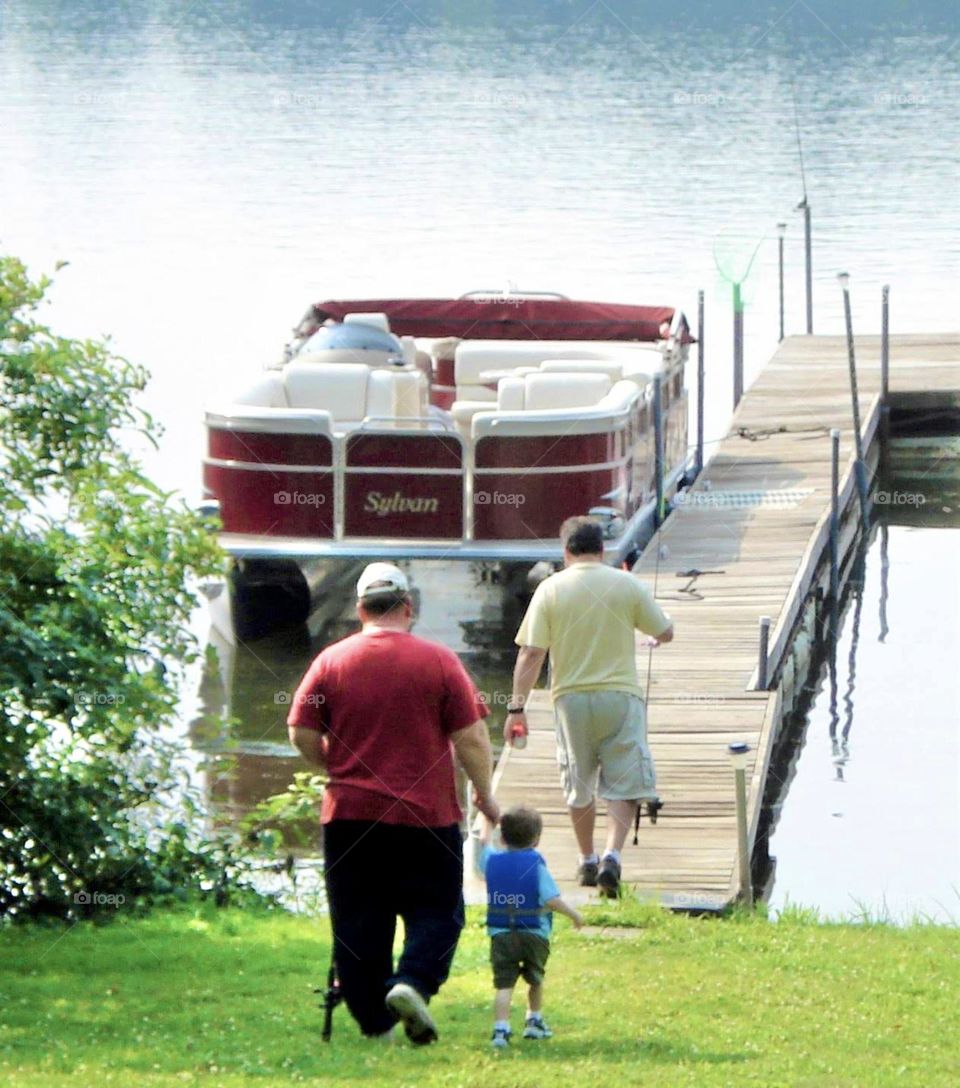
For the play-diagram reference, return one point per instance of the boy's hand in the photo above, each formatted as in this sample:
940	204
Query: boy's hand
577	918
488	806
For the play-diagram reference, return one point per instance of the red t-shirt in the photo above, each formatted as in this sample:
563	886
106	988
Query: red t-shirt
388	702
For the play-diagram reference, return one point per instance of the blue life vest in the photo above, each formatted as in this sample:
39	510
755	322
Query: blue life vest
513	889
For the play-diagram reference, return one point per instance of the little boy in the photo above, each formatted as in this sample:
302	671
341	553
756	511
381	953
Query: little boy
521	893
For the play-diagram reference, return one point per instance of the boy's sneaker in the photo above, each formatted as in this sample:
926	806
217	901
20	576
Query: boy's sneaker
412	1010
500	1039
608	879
536	1029
587	874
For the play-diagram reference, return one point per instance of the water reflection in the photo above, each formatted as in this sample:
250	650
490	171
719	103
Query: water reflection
890	841
474	608
840	745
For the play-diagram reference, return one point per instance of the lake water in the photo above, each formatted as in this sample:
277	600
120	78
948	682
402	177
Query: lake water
210	169
871	817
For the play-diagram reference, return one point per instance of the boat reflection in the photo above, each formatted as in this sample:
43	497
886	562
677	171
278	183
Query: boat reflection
474	608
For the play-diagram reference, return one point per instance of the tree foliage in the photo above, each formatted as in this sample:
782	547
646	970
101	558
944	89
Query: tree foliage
96	565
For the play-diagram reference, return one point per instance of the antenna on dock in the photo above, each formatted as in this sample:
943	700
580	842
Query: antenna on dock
796	120
804	206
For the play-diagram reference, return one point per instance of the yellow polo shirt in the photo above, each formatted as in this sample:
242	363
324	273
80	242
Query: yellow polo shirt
587	616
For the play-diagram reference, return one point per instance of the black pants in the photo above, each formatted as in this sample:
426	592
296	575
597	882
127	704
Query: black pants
374	874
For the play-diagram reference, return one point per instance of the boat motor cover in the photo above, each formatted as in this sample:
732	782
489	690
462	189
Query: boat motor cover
354	337
513	318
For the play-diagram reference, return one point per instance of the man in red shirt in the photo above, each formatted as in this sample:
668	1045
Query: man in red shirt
383	712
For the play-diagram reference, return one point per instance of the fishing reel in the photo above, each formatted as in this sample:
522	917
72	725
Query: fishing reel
332	996
653	805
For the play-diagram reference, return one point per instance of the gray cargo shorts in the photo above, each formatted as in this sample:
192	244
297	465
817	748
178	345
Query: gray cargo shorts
605	733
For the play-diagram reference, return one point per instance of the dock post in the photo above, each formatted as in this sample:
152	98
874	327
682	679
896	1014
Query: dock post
781	232
885	372
763	653
698	462
834	513
808	251
737	345
658	445
739	752
885	346
859	467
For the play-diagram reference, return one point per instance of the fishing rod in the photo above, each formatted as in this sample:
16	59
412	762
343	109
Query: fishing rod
654	804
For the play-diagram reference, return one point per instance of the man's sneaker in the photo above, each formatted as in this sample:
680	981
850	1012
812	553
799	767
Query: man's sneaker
412	1010
587	874
536	1029
500	1039
608	879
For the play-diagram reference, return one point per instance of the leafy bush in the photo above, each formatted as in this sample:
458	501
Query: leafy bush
96	565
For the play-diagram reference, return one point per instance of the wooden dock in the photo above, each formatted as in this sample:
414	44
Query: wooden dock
758	515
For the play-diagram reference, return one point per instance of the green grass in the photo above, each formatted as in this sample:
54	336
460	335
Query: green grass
224	998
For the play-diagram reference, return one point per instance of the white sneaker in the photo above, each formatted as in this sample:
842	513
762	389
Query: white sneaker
404	1000
500	1039
536	1029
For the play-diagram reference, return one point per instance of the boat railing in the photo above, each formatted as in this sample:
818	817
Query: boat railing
434	422
513	293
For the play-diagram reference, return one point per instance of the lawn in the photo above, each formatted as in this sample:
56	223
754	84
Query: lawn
206	997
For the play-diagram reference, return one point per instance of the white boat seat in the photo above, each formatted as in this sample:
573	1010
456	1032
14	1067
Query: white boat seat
613	370
410	394
511	395
351	392
564	390
475	356
416	357
377	320
266	392
592	418
639	373
338	388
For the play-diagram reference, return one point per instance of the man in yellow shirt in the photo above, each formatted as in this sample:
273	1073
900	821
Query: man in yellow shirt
586	616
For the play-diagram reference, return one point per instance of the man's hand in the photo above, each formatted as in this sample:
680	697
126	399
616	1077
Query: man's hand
311	744
510	721
487	805
660	640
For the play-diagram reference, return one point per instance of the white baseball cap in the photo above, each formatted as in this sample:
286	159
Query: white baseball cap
380	578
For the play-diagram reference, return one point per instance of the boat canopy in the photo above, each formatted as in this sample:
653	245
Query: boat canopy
508	317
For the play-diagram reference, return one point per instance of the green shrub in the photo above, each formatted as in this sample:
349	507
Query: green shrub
96	569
